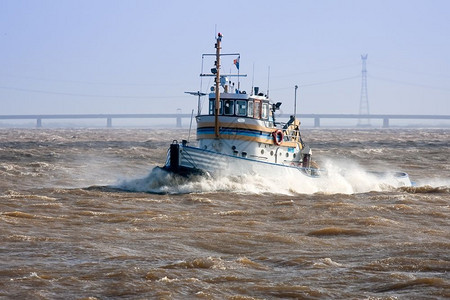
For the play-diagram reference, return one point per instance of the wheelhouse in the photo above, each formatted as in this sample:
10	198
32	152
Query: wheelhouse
241	105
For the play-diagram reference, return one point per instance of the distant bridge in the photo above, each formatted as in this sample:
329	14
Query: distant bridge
178	116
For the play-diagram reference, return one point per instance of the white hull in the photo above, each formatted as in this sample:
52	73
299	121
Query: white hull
217	164
192	160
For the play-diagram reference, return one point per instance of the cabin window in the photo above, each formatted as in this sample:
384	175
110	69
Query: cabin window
257	114
250	109
228	106
212	105
241	108
265	111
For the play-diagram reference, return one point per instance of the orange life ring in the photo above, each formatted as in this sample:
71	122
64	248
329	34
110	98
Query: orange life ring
277	137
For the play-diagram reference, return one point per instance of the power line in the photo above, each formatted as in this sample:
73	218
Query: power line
86	95
316	71
410	83
85	82
319	83
329	81
380	65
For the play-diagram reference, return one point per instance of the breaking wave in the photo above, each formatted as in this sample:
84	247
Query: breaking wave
160	181
339	178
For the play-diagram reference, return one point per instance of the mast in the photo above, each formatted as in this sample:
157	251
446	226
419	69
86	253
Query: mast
295	101
217	106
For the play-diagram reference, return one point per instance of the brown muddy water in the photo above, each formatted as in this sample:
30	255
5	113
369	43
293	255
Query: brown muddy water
84	216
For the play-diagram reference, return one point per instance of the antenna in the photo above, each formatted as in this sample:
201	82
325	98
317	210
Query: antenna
239	77
253	78
295	101
268	81
364	100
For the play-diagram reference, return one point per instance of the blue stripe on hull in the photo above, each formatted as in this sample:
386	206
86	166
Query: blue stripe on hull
235	132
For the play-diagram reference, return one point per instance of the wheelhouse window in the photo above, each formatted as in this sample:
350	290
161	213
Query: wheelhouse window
241	108
235	107
250	109
257	114
228	106
212	105
265	111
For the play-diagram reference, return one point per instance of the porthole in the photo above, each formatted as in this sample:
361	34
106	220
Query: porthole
287	154
271	153
262	151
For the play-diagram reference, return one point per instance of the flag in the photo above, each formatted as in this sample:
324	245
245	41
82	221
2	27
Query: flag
236	63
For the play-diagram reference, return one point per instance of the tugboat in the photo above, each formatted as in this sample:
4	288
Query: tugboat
240	135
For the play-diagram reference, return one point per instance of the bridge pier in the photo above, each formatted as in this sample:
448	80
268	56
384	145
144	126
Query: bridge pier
316	122
386	123
109	122
179	118
39	123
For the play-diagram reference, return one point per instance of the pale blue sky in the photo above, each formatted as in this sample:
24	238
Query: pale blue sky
140	56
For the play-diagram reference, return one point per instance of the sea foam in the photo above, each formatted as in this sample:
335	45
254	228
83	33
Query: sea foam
339	178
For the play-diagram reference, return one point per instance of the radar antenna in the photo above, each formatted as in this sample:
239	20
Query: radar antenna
199	94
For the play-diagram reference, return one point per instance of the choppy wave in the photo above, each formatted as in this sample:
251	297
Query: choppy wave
426	189
335	231
349	235
414	284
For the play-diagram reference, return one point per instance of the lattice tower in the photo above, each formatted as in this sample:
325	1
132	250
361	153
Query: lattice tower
364	100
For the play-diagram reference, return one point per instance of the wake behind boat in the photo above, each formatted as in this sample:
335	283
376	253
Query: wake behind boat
239	135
